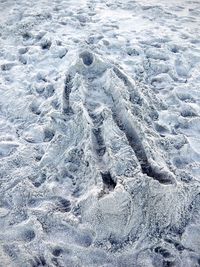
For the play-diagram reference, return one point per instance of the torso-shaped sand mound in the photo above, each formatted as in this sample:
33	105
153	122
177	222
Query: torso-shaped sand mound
131	193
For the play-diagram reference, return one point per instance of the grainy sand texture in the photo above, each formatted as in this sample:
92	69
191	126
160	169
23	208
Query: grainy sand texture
100	133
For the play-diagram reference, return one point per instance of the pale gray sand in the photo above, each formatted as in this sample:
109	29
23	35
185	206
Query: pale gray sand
99	133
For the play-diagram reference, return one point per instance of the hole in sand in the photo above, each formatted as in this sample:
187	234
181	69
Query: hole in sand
108	180
87	58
